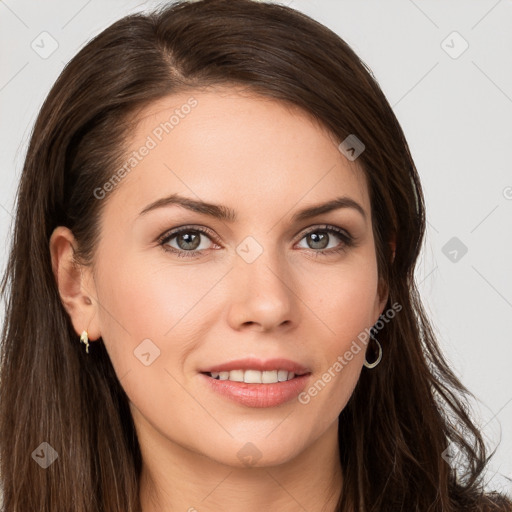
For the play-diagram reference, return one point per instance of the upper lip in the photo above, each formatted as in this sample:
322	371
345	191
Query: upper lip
258	364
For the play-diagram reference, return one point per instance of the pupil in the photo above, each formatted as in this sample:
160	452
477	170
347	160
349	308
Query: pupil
191	241
322	240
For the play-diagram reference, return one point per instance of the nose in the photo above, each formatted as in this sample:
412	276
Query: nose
262	295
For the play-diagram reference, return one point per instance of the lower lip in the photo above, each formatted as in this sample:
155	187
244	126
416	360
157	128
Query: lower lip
258	395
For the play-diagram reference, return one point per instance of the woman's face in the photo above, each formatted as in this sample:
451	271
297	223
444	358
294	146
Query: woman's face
257	287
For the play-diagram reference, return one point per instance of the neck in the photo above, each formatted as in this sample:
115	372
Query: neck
183	480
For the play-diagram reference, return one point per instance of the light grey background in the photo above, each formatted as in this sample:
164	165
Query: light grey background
456	111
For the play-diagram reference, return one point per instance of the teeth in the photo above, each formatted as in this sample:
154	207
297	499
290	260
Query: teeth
236	375
251	376
282	375
269	377
254	376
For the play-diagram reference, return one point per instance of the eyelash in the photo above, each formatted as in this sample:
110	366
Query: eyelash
347	240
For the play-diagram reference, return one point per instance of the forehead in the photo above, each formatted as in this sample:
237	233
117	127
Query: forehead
235	148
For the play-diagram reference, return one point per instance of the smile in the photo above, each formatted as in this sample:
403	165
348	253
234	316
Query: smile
254	376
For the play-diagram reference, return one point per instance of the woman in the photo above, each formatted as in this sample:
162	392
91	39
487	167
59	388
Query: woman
211	298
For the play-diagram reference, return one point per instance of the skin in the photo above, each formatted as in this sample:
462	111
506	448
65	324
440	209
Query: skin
266	161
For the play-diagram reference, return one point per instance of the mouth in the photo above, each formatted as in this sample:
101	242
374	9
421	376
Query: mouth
257	383
257	371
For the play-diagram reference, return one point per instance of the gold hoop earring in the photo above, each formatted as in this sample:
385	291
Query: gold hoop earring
84	338
377	361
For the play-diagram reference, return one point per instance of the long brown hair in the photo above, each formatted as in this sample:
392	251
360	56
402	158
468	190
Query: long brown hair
401	417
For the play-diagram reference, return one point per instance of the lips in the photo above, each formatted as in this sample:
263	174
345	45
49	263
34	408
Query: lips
251	393
257	395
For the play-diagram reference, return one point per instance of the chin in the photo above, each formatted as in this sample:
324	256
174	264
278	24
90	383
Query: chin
258	453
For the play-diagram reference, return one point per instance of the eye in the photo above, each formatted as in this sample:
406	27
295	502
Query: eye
320	236
188	240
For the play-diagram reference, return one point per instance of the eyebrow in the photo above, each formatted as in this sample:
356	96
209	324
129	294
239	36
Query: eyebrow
227	214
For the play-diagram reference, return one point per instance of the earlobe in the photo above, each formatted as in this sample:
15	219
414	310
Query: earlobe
71	280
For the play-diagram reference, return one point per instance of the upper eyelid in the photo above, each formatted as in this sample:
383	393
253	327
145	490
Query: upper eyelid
192	227
328	227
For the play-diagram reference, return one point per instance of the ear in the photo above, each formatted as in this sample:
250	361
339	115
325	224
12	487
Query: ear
383	289
75	283
381	299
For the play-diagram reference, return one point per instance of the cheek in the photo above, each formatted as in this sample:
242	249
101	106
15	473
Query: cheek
348	300
347	308
156	302
148	330
147	299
